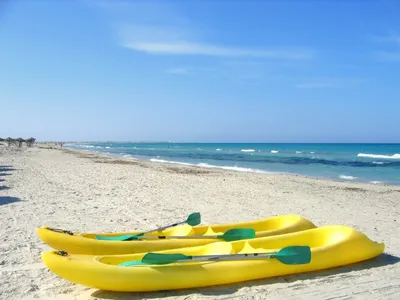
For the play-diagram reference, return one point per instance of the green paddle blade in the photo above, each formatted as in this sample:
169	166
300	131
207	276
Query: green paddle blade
237	234
132	263
126	237
293	255
194	219
113	238
163	259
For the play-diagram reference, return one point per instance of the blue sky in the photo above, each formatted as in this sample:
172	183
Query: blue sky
228	71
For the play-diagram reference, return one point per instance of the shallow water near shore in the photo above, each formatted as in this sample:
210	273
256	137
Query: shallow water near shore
375	163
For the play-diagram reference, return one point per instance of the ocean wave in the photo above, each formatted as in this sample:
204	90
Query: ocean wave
170	162
347	177
394	156
299	152
312	152
376	182
274	151
218	149
128	156
231	158
235	168
247	157
205	165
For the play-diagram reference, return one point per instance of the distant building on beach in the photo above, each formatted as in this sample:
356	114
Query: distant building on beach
18	142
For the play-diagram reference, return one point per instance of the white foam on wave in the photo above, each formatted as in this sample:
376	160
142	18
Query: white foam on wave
299	152
205	165
129	156
235	168
274	151
107	147
170	162
376	182
312	152
394	156
378	162
347	177
247	150
218	149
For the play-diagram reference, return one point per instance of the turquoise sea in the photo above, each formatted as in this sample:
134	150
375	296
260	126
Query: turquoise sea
377	163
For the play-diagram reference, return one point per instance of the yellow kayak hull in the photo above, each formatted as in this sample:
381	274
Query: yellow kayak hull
331	246
85	243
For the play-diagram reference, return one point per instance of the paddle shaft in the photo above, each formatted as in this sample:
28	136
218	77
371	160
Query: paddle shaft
233	257
229	257
290	255
161	237
165	227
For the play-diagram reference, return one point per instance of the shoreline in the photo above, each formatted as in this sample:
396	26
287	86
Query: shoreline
341	178
85	191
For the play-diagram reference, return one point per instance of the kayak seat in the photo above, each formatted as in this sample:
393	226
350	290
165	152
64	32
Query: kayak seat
210	231
217	249
247	248
181	230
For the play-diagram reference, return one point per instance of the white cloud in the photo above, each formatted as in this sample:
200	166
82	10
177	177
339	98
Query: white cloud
328	82
177	71
187	48
159	29
393	41
388	56
393	38
314	85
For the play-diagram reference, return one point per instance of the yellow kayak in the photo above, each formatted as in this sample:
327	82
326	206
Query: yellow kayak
87	243
329	246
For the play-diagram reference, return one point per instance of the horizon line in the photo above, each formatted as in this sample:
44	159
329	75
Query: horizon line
194	142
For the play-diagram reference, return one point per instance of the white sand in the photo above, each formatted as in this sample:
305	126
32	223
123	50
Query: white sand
72	191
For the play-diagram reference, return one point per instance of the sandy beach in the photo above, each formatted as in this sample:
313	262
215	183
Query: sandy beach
89	192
